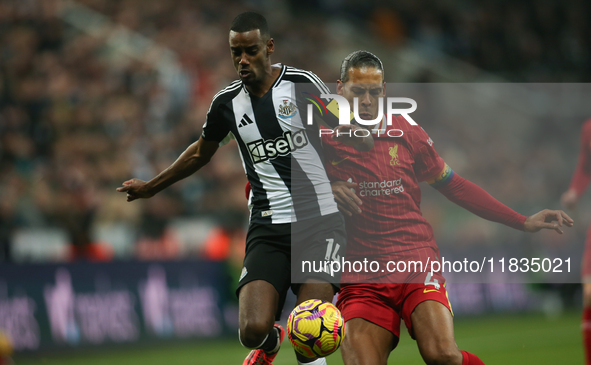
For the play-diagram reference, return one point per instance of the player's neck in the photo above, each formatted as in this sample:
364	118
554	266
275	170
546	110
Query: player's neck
261	88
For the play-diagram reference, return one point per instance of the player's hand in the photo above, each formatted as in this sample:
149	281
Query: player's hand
569	199
346	199
547	219
346	135
135	189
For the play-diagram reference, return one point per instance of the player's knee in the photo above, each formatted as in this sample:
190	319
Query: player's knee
358	351
443	356
253	332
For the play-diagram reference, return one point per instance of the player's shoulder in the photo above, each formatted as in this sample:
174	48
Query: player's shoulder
401	123
413	133
298	75
229	91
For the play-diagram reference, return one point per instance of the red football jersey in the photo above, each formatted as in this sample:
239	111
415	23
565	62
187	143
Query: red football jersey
582	173
391	226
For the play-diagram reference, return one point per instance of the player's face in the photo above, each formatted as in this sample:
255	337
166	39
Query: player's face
366	84
250	55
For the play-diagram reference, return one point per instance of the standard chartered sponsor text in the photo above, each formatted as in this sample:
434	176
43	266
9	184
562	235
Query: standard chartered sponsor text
375	188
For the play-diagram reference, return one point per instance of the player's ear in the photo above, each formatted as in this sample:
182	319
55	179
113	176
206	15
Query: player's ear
340	86
270	46
384	91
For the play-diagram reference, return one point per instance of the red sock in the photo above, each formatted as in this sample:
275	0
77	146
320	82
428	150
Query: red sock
471	359
586	327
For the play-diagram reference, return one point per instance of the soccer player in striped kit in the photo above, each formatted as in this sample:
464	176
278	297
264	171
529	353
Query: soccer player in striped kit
281	155
386	224
578	185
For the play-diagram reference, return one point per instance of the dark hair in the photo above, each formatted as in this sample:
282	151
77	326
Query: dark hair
251	21
360	59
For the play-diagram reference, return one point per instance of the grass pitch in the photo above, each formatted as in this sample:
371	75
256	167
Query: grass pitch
504	340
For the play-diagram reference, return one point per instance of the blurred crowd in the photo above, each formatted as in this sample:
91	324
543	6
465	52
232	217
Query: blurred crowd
522	41
77	117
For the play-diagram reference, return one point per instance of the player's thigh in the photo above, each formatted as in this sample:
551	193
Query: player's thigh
317	244
372	326
432	326
258	301
366	343
315	289
265	277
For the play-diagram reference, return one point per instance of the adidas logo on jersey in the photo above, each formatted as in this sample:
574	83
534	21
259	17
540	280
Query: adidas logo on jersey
245	121
263	150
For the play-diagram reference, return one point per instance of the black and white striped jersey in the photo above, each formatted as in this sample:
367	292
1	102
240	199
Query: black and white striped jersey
281	154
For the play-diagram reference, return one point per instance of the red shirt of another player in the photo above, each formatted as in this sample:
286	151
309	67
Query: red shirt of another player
391	226
582	174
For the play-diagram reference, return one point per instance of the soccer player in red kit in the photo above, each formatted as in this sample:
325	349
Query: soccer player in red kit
390	227
578	185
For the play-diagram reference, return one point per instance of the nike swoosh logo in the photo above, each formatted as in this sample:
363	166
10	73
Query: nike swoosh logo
334	163
429	290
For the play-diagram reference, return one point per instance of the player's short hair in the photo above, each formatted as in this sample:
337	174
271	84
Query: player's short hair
250	20
360	59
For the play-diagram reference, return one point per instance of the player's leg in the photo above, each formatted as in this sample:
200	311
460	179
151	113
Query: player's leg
258	301
429	318
432	326
316	240
586	280
372	327
313	289
586	321
261	291
366	343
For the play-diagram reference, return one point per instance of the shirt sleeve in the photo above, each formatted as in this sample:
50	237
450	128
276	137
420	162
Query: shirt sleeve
427	162
215	127
582	174
308	93
473	198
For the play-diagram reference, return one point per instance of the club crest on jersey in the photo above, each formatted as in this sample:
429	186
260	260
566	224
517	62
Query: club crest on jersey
263	150
287	109
394	154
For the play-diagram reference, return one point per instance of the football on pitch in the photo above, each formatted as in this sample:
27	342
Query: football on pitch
315	328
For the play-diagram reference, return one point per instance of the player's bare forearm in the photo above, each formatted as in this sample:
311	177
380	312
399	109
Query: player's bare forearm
190	161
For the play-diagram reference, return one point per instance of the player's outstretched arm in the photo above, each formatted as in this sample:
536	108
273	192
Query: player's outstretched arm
476	200
354	136
192	159
547	219
345	197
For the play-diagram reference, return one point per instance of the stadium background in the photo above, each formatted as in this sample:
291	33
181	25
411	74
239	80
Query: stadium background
95	92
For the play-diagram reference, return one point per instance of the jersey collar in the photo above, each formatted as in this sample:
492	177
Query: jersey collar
277	81
380	128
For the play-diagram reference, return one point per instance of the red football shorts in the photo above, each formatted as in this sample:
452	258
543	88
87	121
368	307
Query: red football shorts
586	264
385	304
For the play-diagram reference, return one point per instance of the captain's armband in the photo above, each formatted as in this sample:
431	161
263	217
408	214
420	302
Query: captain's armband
441	178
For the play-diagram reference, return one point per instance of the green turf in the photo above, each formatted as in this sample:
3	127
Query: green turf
503	340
